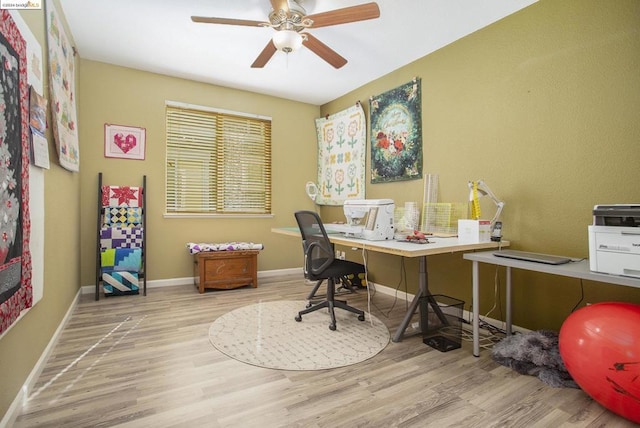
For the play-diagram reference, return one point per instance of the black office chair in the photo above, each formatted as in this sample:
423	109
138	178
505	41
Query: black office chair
320	264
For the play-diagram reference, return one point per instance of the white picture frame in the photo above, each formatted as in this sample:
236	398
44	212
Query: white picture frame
125	142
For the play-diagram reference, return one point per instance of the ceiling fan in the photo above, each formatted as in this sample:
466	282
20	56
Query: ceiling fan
289	19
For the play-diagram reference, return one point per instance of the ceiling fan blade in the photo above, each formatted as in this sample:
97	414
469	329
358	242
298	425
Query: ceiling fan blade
265	55
227	21
280	4
324	51
343	16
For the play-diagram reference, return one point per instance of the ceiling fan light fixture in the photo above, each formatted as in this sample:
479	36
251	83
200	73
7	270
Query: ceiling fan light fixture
287	40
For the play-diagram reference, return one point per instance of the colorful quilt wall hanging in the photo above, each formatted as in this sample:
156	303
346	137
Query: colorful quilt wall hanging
62	87
396	134
342	140
16	293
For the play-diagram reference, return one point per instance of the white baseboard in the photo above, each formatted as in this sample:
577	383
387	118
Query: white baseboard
14	409
279	272
389	291
190	280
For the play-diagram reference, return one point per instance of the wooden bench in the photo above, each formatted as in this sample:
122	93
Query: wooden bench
226	269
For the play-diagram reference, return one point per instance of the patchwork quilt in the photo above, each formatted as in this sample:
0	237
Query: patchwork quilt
224	246
122	216
120	237
118	196
121	259
117	283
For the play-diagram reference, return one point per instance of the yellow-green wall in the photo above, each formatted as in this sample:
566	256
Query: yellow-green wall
117	95
24	343
544	107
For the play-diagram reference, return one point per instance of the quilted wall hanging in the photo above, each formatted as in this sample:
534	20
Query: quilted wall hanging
62	86
342	139
396	134
16	292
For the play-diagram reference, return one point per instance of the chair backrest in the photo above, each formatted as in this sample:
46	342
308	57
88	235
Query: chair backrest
317	248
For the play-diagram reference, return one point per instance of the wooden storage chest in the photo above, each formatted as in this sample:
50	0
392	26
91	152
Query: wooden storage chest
226	269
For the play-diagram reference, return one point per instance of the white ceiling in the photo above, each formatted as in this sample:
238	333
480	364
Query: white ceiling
159	36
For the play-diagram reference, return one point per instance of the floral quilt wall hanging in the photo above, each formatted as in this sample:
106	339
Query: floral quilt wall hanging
396	134
16	293
61	64
342	140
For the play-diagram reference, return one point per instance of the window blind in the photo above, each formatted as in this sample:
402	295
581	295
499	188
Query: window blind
217	163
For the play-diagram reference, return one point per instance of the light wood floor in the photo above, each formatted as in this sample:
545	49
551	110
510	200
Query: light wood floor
139	361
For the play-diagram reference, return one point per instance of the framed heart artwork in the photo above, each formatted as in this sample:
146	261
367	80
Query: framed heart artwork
126	142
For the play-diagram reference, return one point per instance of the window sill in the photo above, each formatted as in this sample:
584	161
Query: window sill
193	215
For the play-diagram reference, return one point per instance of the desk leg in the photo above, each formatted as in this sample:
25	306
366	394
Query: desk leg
475	301
509	301
476	307
422	291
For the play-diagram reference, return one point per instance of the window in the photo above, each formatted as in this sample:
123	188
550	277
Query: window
217	162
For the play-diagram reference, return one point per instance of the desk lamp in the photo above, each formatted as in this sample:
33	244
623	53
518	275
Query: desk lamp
477	188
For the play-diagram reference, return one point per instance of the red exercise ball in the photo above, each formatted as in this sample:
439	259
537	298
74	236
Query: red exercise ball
600	347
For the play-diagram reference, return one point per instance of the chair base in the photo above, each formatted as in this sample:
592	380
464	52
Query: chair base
331	305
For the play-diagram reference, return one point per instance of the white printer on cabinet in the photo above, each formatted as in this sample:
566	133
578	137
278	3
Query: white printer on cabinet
614	240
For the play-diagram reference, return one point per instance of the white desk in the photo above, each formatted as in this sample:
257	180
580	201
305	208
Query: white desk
404	249
573	270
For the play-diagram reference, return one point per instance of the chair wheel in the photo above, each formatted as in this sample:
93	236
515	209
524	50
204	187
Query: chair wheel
309	305
332	327
298	318
360	317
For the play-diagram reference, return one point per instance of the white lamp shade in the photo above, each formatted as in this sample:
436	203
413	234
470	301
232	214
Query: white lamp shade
287	40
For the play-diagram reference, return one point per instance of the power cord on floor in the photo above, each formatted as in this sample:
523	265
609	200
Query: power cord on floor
497	301
371	291
366	280
492	333
371	286
486	341
489	333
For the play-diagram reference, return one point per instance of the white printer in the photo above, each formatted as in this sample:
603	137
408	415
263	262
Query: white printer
614	240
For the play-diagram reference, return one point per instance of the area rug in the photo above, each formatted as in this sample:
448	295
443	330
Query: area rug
266	335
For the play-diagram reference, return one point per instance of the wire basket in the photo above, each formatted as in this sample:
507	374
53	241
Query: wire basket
443	326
